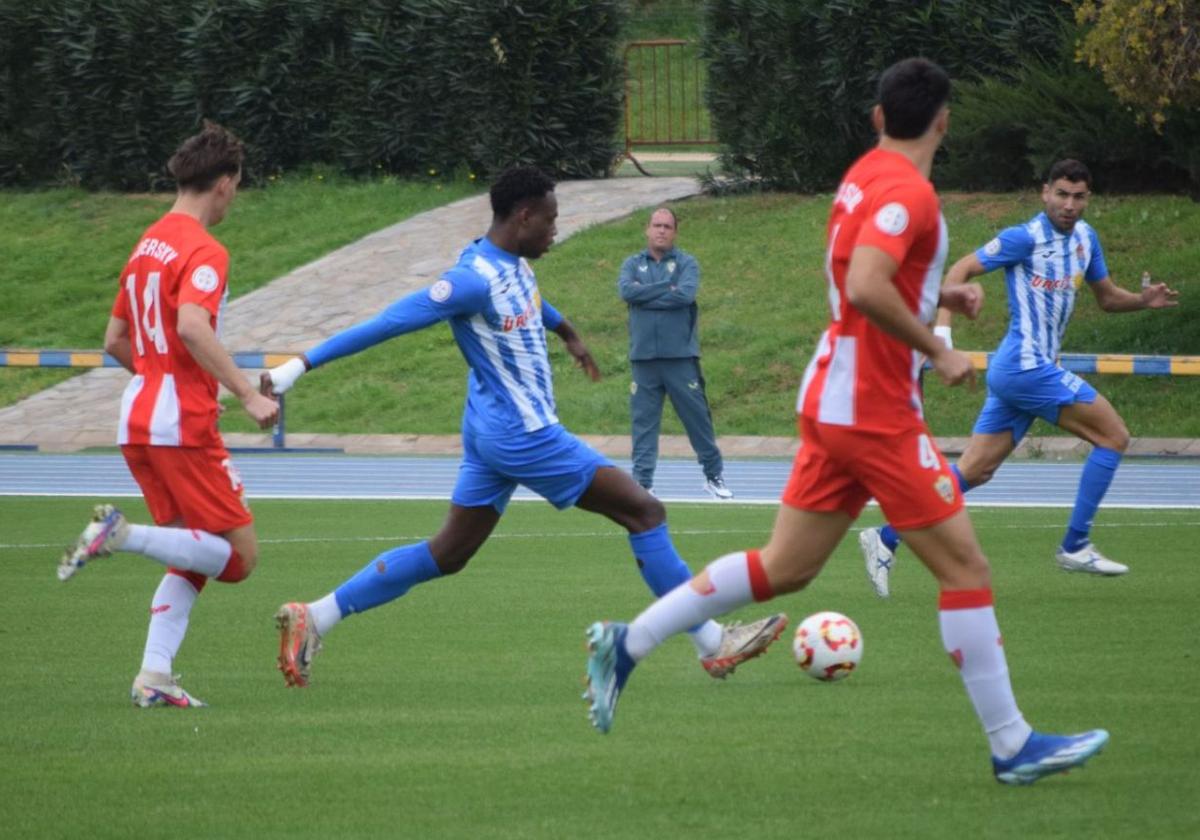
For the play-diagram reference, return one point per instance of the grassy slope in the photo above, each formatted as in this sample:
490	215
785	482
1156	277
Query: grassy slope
456	712
762	301
762	308
62	248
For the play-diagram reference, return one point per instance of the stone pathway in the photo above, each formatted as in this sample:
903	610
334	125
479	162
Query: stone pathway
317	300
354	282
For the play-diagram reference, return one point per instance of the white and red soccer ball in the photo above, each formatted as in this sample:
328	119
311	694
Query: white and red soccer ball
828	646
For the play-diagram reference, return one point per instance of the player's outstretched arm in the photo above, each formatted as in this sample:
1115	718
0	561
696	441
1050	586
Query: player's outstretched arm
456	293
1112	298
196	332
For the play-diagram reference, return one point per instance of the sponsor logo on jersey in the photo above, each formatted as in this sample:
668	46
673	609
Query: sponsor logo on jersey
644	267
206	279
1060	285
992	248
440	291
524	319
632	387
892	218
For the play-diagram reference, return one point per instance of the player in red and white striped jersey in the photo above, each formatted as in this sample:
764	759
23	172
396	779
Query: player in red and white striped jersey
862	435
164	330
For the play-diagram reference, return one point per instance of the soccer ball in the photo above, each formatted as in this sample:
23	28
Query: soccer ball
828	646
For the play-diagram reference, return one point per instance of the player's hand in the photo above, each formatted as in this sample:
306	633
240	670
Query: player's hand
583	358
279	380
1158	296
963	298
262	409
953	367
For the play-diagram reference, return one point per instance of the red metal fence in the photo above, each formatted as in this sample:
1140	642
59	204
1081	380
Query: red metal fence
664	96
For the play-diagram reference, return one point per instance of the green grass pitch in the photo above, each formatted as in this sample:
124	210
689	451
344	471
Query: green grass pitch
455	712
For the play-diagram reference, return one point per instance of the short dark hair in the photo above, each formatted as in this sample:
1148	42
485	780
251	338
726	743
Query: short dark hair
516	185
1070	169
203	158
911	92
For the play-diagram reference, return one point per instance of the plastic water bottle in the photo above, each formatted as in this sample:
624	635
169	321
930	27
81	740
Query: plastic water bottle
1145	279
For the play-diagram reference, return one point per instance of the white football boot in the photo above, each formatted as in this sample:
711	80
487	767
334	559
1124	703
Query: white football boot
1089	561
105	533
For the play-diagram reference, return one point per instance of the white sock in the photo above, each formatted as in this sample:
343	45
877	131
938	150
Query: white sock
707	639
684	607
971	636
325	613
169	613
181	548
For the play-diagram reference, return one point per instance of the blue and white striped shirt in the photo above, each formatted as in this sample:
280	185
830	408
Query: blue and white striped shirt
498	317
1043	268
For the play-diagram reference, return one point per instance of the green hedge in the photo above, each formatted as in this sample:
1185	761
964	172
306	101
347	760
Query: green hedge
101	91
791	83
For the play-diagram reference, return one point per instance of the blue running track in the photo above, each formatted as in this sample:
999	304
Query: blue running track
299	476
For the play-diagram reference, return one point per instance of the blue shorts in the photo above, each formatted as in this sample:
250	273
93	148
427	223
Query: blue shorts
551	462
1016	397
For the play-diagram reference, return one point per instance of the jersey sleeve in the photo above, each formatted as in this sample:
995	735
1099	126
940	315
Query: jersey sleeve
551	317
1011	246
1097	269
205	278
458	292
899	216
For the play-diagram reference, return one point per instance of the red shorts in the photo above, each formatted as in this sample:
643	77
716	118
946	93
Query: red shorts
199	487
840	469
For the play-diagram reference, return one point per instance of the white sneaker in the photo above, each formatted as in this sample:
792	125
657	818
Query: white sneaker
716	488
878	559
151	689
105	533
1089	560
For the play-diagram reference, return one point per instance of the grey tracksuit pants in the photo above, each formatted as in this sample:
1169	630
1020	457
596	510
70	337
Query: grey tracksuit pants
682	381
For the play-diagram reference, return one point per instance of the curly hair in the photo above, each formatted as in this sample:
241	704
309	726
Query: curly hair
203	158
518	184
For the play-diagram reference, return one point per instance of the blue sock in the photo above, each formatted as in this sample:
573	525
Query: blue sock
891	537
660	564
386	578
1098	473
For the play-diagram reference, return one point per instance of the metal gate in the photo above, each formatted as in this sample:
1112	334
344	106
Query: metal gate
664	96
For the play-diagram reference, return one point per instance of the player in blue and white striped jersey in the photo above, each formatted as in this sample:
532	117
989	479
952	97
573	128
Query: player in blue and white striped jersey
1045	261
511	434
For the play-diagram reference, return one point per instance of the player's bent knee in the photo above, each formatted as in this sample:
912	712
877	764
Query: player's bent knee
239	567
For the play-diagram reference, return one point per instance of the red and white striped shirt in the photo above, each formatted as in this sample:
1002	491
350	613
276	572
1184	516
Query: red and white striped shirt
171	400
860	376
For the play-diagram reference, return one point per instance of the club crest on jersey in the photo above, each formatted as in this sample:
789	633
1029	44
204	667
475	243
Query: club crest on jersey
892	218
440	291
945	488
992	248
206	279
671	267
1079	251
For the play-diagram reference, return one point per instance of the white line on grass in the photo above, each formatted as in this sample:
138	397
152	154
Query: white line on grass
591	535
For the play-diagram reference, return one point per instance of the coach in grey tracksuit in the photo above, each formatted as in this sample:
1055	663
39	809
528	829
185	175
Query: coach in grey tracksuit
660	286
